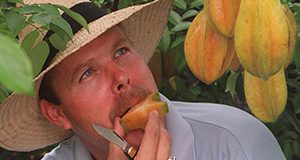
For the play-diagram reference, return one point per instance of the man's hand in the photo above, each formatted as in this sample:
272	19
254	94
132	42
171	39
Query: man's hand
155	145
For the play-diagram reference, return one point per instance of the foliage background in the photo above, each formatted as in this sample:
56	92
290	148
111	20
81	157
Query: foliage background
177	82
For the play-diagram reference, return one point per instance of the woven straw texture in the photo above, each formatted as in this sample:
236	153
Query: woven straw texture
23	128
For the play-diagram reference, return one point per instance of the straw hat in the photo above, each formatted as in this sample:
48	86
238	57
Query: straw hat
23	127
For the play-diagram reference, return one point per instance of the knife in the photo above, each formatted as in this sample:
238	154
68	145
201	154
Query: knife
113	137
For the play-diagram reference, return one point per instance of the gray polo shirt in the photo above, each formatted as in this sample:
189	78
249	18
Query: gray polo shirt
201	131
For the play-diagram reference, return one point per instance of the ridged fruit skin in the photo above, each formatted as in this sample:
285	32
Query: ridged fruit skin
292	33
137	116
235	64
261	37
266	99
221	15
208	54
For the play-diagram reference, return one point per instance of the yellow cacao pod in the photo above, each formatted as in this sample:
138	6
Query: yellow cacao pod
292	33
208	54
266	99
261	37
221	15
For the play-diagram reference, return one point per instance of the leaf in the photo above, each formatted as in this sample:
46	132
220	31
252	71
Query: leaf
296	147
3	93
16	1
29	40
181	26
15	23
63	35
62	24
165	40
180	4
77	17
42	18
174	17
1	13
38	56
124	3
196	4
189	13
231	82
15	67
30	9
179	40
288	150
50	9
57	42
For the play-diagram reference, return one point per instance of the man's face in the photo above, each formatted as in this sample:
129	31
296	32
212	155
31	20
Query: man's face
101	81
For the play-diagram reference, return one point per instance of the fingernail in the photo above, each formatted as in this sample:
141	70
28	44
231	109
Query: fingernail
154	112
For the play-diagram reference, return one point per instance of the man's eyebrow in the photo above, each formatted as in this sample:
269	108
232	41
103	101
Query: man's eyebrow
119	42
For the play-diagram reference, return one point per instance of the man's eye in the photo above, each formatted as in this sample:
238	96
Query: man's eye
121	52
86	74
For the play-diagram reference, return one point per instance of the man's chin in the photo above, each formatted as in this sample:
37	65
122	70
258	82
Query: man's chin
135	137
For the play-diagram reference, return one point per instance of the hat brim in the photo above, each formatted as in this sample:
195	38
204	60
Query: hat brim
24	128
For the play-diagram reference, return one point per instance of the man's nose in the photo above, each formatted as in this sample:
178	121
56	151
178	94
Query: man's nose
121	81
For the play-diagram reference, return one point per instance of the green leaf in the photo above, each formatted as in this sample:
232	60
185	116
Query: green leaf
181	26
38	56
15	67
288	150
50	9
15	23
30	9
42	18
63	35
180	4
189	13
179	40
174	17
124	3
1	13
231	82
77	17
296	147
29	40
62	24
196	4
57	42
3	93
165	40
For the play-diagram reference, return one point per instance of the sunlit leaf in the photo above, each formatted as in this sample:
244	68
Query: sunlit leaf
15	67
181	26
29	40
165	40
174	17
57	41
15	23
189	13
77	17
62	24
230	84
50	9
38	56
179	40
29	9
180	4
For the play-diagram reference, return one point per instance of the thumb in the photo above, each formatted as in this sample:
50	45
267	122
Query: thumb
115	152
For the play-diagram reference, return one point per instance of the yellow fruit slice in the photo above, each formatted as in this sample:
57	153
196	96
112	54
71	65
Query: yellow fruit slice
137	116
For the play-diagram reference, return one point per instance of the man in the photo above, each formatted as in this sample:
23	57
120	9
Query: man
103	73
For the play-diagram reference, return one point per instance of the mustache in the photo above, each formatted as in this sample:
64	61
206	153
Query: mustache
135	95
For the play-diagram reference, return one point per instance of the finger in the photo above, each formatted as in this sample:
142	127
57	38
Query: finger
115	152
164	145
148	148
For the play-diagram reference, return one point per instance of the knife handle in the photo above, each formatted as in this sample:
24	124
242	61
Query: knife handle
130	152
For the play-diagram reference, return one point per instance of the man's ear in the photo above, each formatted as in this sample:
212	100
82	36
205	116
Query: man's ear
55	114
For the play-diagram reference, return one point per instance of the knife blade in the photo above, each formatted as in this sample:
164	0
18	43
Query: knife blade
113	137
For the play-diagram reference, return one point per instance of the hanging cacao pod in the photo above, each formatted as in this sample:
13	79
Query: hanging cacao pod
261	37
208	54
221	15
292	33
266	99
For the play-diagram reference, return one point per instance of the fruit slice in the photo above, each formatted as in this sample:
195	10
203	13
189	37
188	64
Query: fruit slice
137	116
